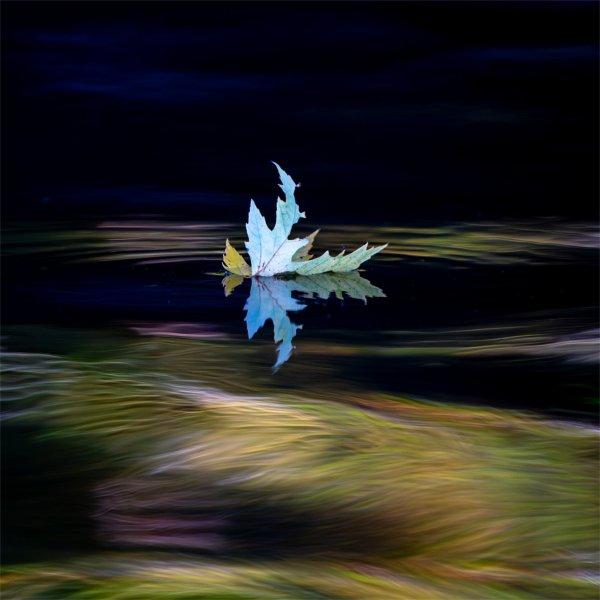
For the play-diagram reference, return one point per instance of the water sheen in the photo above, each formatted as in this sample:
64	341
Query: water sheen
422	429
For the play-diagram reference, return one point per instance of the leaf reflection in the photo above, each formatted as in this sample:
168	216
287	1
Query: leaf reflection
271	299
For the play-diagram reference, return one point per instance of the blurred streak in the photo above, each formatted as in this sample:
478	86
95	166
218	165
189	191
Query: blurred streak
362	496
582	347
541	241
157	242
558	336
183	330
131	576
538	241
139	241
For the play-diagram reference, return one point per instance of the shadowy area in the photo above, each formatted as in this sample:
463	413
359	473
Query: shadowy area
384	111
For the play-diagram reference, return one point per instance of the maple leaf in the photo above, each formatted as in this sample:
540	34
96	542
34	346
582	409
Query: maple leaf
234	262
303	253
342	263
272	253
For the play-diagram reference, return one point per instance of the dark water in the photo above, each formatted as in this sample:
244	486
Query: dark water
421	429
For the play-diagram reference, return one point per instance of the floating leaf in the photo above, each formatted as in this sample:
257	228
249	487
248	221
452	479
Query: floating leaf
303	253
234	262
272	253
342	263
287	213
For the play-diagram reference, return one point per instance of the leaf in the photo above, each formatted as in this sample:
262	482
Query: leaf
303	253
287	213
234	262
272	253
342	263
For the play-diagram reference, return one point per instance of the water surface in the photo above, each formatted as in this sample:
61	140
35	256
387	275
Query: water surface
421	429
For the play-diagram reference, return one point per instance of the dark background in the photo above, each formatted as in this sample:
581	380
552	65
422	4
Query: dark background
386	112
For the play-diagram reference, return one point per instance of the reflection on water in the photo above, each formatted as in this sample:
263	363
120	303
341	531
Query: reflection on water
566	335
271	299
435	443
154	241
427	499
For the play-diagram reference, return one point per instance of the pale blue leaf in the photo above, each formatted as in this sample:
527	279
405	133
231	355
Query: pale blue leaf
287	213
272	253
